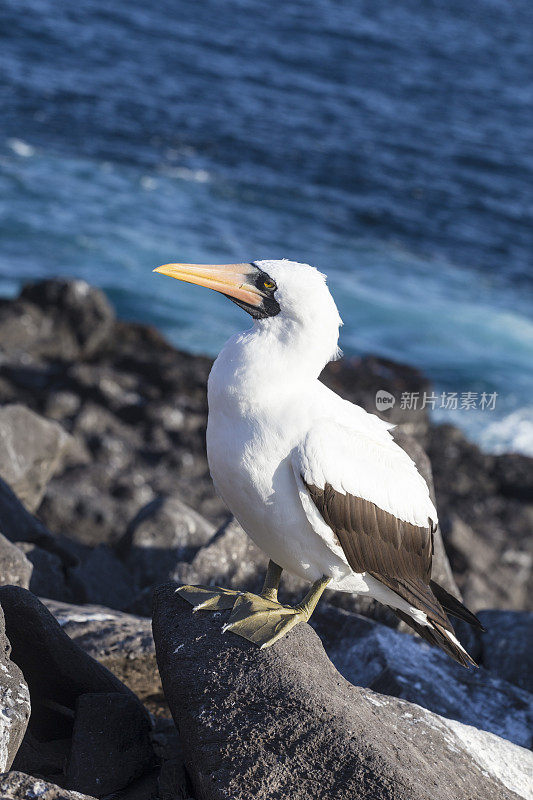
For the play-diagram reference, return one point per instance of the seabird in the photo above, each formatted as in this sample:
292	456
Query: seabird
317	482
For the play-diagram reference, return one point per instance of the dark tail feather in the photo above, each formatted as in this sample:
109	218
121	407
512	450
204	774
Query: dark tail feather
454	606
437	635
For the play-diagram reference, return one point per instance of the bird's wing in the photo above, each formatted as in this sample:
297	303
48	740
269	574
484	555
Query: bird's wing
372	497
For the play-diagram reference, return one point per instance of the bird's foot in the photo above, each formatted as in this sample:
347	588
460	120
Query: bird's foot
209	598
262	620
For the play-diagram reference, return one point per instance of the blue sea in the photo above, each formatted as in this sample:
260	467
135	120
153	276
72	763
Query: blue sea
388	143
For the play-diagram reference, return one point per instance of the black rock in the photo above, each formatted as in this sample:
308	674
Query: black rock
14	702
486	526
70	319
121	642
282	722
103	580
19	786
513	473
58	673
506	646
110	744
18	525
49	576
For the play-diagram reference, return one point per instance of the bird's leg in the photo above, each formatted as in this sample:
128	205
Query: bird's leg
271	584
215	598
263	621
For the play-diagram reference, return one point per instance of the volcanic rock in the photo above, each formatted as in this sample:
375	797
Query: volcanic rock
369	654
19	786
121	642
31	450
163	533
110	744
14	702
59	674
282	722
504	648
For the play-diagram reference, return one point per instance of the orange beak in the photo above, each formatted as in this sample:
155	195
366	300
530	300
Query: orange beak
233	280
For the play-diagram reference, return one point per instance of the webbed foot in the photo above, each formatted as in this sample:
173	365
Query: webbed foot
261	620
264	621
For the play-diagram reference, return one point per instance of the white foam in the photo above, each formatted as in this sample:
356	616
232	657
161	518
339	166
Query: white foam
21	148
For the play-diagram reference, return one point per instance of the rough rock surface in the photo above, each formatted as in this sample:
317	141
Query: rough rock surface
110	744
282	722
56	319
19	526
14	702
19	786
59	674
121	642
14	566
393	663
31	450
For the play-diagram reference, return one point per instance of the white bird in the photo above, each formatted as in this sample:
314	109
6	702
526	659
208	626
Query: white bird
317	482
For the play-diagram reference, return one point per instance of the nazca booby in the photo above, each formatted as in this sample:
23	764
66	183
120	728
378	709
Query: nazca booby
317	482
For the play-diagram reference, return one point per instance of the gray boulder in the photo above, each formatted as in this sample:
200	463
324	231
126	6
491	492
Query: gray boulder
506	646
31	451
121	642
19	786
393	663
163	533
56	319
282	722
18	525
14	702
15	568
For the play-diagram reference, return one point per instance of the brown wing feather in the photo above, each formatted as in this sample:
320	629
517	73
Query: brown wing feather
395	552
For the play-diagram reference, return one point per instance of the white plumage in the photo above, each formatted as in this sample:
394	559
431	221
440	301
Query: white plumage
271	419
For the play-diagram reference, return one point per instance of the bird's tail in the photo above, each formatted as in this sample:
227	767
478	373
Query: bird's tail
438	635
433	601
454	606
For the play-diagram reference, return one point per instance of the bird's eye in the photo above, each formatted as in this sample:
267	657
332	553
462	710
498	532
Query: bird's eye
269	284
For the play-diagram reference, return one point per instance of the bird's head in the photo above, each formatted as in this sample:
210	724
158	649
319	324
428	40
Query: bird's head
266	289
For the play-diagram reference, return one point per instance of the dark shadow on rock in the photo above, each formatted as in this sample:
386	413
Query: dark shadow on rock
58	674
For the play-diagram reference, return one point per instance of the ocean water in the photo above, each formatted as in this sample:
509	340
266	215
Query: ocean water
389	144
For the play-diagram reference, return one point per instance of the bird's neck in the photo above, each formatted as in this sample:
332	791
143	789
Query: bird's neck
275	357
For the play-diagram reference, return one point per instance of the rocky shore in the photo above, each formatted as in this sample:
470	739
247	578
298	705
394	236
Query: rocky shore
106	501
